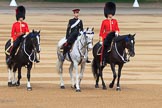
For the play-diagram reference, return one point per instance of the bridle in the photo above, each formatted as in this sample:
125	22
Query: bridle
127	54
82	44
33	50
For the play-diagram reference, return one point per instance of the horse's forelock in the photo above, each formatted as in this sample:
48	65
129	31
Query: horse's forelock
33	34
126	38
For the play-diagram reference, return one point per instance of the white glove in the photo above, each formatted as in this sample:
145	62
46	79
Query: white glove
24	35
116	34
101	42
81	32
11	43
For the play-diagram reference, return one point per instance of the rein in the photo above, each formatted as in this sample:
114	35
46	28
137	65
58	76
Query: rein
85	44
121	56
82	47
29	55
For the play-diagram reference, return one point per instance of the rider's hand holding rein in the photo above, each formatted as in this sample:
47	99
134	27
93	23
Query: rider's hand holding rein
25	34
116	34
11	41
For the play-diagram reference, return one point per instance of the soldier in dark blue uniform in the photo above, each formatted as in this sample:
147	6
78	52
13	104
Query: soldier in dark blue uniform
75	27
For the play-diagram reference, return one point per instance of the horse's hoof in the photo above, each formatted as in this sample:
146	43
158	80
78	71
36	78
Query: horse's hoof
9	84
29	88
78	90
111	85
104	88
62	87
96	86
75	86
118	89
14	84
18	84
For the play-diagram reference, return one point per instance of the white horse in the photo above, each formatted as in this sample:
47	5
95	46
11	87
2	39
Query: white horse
77	56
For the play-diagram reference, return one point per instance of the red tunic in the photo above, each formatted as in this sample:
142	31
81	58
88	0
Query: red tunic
18	28
108	26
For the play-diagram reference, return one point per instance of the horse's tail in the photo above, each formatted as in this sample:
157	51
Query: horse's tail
96	59
94	68
59	63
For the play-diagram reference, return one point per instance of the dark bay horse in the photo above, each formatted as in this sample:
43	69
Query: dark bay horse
114	57
25	56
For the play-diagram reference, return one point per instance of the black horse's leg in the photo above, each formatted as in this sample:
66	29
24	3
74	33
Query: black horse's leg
14	76
97	80
119	74
103	83
19	76
28	77
114	75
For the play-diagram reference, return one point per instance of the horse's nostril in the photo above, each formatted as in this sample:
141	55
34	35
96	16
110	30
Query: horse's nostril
132	54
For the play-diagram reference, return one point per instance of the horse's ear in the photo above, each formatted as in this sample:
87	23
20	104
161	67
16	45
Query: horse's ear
92	28
39	31
87	28
33	31
134	35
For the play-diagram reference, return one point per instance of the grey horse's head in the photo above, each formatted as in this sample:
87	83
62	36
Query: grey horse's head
89	34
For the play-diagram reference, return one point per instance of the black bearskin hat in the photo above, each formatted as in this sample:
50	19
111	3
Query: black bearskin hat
20	12
110	8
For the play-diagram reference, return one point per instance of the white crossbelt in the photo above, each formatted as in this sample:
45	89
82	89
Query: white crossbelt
76	23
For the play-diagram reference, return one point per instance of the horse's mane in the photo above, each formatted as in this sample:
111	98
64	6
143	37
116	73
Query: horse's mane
79	37
122	37
111	34
31	34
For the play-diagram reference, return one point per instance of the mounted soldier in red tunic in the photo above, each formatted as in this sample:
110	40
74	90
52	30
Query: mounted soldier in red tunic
108	25
19	31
